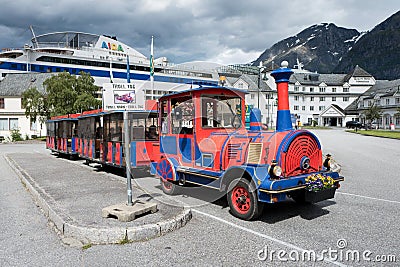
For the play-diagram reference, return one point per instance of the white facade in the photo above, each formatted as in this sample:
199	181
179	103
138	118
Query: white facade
12	116
312	97
386	96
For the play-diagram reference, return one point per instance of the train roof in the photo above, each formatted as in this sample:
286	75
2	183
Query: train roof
206	88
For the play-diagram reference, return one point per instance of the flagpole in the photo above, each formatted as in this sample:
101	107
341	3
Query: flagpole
152	67
111	73
128	69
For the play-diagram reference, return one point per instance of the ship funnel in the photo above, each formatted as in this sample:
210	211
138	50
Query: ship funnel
281	76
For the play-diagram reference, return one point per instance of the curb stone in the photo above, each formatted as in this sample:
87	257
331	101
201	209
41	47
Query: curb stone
113	235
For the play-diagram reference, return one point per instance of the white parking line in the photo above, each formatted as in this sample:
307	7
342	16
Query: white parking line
373	198
262	235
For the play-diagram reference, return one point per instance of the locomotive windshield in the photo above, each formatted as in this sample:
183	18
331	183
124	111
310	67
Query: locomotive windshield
221	111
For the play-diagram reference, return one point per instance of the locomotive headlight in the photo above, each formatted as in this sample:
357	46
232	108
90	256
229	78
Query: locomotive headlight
277	171
274	170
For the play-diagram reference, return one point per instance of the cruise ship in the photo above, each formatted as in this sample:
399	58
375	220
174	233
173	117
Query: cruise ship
106	59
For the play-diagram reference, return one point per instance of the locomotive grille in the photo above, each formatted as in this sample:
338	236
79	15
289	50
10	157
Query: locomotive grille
302	146
233	150
254	154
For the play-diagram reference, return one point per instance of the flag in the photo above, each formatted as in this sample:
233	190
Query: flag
151	58
128	70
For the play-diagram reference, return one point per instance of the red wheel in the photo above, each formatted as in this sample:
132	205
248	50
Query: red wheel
166	171
242	199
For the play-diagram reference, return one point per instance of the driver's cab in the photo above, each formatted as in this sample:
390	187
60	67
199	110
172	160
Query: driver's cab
188	119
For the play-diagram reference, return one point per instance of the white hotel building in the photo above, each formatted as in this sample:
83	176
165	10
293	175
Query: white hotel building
312	96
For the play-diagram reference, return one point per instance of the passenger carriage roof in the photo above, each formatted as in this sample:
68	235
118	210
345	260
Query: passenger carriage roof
205	89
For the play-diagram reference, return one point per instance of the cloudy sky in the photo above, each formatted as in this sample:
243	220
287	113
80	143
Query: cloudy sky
223	31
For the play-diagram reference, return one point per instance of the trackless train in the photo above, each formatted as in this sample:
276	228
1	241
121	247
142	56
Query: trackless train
202	140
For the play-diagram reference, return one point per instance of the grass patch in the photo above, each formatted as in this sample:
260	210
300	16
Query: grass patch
315	127
124	241
87	246
378	133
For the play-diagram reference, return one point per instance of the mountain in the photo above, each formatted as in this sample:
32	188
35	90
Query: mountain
378	51
319	47
326	48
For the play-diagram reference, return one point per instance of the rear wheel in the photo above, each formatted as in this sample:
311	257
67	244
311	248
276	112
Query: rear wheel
242	200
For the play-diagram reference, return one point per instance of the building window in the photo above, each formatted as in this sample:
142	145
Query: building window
322	98
397	100
13	124
321	108
304	89
252	96
387	102
333	98
33	126
303	108
345	99
345	90
322	89
311	108
296	107
296	88
312	98
334	90
2	103
311	89
296	98
3	124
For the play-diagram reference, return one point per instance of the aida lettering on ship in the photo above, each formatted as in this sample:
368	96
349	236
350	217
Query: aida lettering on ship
104	57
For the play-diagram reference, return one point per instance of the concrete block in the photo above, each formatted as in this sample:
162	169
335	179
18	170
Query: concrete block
125	213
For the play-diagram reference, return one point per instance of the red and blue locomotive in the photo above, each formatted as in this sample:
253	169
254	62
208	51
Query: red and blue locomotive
203	141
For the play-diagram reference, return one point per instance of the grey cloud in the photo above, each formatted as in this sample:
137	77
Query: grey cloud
186	30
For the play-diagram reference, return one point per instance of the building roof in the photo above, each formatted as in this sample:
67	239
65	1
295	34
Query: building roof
14	84
383	88
316	79
357	72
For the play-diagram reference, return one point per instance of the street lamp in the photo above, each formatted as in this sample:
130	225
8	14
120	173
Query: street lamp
261	71
269	96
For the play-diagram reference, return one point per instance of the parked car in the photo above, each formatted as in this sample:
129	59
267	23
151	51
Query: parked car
373	125
353	124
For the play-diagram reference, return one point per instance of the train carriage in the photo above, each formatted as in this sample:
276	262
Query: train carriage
90	135
62	137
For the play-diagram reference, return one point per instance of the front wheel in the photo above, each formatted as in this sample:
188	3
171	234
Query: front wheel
169	188
242	200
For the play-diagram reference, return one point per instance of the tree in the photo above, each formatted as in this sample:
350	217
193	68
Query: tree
34	103
373	113
67	94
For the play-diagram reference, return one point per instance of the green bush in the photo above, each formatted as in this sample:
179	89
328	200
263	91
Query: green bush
16	135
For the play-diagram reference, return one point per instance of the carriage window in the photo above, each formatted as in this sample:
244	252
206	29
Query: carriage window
182	115
164	117
221	111
143	126
113	125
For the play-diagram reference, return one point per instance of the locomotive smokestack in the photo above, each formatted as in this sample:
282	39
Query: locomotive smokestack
281	76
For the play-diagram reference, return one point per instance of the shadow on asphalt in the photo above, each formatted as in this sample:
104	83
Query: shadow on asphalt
272	213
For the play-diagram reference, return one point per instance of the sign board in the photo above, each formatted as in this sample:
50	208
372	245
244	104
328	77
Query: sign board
123	96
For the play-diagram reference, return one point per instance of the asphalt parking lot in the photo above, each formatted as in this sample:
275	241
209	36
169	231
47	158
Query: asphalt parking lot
358	227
